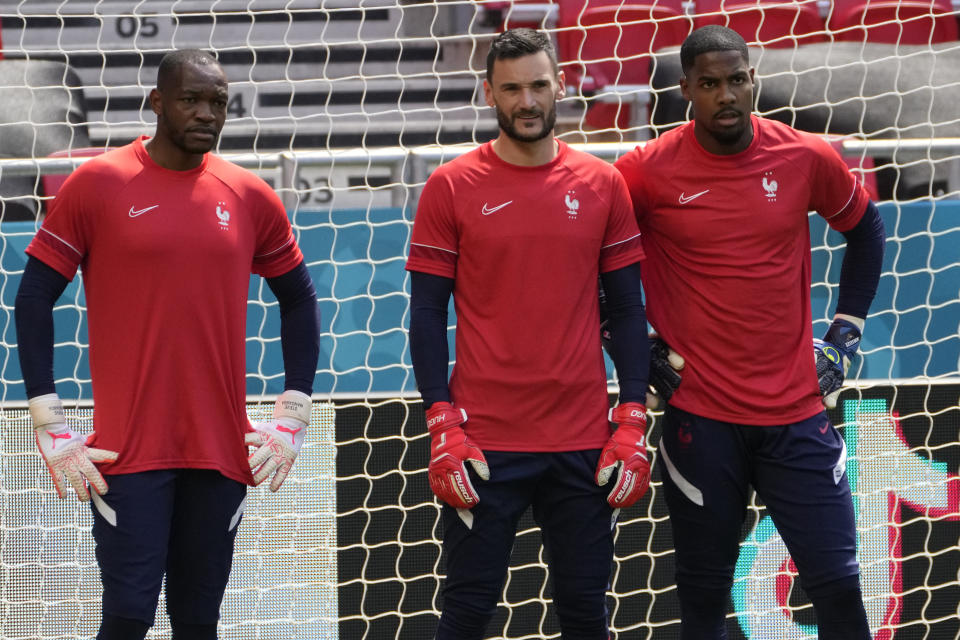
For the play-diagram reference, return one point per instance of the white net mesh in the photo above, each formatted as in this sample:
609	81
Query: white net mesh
346	107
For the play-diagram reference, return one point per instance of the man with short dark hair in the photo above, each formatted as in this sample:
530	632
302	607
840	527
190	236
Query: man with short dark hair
166	235
722	203
518	231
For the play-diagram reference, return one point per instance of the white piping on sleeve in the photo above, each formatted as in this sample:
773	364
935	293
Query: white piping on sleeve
429	246
72	248
637	235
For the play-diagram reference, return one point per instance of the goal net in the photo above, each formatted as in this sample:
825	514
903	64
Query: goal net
345	108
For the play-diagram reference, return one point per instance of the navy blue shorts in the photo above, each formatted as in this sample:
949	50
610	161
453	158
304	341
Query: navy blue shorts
577	530
798	470
175	522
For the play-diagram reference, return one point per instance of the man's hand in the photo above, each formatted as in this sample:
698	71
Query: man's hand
833	355
64	451
449	450
278	440
665	367
627	451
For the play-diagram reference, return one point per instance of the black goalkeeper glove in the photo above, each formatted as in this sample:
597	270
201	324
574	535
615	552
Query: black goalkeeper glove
665	367
665	363
664	378
833	355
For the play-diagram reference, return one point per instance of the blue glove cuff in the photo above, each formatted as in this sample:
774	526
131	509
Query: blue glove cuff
845	336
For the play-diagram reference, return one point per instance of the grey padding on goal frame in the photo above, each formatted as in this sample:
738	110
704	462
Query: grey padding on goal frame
871	90
41	111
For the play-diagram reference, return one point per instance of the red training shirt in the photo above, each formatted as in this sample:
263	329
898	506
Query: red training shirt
727	275
166	258
525	246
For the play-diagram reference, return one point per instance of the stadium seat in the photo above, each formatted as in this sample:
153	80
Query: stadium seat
893	22
606	46
344	60
42	109
53	181
772	23
512	14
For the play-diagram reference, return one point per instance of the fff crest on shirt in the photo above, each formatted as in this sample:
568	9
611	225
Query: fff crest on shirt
223	216
572	204
770	186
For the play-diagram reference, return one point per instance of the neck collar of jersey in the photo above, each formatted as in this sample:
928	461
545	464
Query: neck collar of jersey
490	155
692	140
141	151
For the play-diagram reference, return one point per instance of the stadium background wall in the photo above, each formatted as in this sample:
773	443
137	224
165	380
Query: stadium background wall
357	257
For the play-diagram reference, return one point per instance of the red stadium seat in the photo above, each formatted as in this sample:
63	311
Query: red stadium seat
605	45
773	23
53	181
893	22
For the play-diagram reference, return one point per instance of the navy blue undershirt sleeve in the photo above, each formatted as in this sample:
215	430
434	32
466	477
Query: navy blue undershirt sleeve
862	264
627	322
429	297
299	327
40	288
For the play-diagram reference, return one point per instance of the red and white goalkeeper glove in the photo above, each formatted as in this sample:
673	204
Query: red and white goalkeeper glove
627	451
65	451
449	450
278	440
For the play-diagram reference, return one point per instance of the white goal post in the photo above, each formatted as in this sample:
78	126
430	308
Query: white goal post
345	107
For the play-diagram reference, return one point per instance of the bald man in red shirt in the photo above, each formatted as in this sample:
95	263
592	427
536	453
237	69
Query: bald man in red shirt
166	236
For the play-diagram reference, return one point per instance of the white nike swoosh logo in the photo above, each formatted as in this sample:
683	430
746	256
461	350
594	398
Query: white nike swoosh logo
139	212
488	210
685	199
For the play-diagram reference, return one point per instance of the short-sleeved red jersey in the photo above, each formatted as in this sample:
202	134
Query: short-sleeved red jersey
525	246
727	275
166	258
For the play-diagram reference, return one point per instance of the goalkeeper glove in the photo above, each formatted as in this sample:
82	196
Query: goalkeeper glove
832	355
665	363
664	378
65	451
449	450
278	440
626	450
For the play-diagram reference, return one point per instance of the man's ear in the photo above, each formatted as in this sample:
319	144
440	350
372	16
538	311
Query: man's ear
488	93
156	101
684	89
